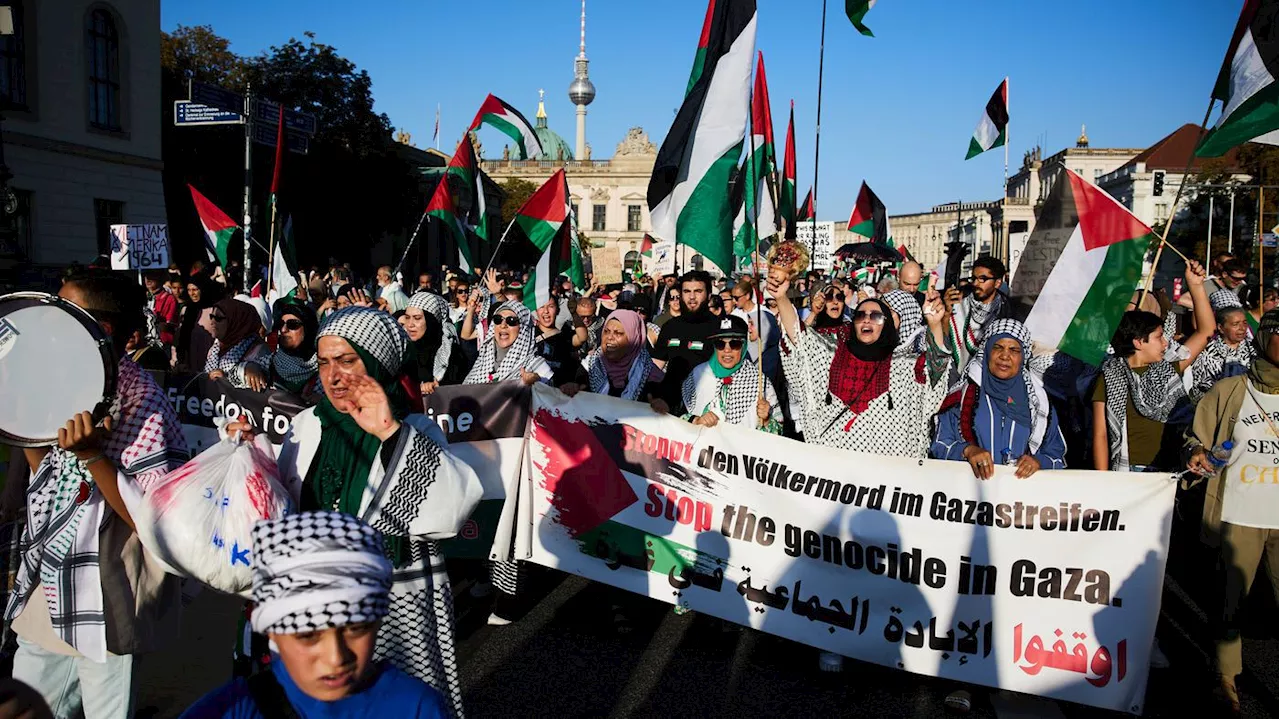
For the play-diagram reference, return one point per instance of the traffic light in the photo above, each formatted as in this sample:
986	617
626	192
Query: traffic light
1157	183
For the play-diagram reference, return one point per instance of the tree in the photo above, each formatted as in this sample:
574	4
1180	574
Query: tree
518	192
198	53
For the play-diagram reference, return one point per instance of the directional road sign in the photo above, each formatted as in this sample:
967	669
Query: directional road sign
265	111
215	96
187	113
266	134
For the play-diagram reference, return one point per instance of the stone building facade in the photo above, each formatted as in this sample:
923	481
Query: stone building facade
80	86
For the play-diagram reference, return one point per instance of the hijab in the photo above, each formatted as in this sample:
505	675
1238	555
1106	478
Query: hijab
861	372
289	307
1010	397
210	294
493	365
440	335
633	326
884	345
242	321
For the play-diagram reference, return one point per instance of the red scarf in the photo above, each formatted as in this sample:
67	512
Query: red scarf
853	381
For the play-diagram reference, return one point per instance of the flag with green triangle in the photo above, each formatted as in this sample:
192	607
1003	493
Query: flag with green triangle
787	190
218	227
857	10
544	237
758	215
1246	84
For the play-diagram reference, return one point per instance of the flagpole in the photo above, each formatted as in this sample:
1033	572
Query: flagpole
497	247
817	137
1173	208
1004	185
271	250
412	239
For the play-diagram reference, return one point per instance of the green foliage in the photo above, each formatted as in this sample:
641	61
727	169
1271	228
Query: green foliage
518	192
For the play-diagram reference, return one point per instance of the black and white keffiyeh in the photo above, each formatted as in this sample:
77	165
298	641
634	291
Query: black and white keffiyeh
432	304
1222	299
969	319
732	398
910	317
318	570
374	331
232	361
487	368
1155	395
642	369
294	371
1215	363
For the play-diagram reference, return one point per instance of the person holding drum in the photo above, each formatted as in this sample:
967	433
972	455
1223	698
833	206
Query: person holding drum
238	353
87	597
365	452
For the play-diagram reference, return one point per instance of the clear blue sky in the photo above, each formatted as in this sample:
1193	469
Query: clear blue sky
898	109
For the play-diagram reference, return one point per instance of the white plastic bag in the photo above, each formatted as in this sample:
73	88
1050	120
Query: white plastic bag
197	520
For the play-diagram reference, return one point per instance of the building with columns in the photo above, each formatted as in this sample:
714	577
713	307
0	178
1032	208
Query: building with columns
80	91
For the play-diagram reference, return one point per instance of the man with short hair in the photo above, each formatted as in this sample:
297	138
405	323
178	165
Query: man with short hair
763	328
909	280
1212	283
1234	275
586	326
977	305
321	588
426	282
726	297
684	341
87	597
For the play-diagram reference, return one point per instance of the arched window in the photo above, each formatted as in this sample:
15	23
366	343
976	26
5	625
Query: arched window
631	261
13	62
696	262
104	70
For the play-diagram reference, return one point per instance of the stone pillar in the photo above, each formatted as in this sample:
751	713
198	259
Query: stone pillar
580	145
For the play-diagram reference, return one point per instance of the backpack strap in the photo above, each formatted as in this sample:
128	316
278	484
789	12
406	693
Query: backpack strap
269	696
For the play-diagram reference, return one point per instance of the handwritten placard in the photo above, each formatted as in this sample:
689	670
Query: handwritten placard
140	247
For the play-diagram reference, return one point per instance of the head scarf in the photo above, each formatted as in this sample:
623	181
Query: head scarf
861	372
259	305
633	326
210	293
318	570
395	297
1221	299
293	369
433	350
910	318
1010	397
242	321
487	367
732	327
347	452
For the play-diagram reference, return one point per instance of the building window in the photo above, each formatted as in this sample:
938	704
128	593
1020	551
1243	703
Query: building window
633	218
576	214
597	218
631	261
696	262
105	214
1097	172
104	70
13	63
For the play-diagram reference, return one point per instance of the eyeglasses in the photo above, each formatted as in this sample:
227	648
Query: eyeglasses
734	344
875	316
292	325
508	320
981	278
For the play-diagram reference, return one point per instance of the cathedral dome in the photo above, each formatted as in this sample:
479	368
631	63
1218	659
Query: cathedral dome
554	147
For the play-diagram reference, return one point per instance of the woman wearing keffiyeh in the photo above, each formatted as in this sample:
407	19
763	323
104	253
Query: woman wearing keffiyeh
435	339
507	349
364	451
621	366
1001	414
1229	353
294	366
727	387
238	353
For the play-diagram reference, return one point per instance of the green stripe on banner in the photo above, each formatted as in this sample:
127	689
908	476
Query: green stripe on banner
475	539
1096	320
628	546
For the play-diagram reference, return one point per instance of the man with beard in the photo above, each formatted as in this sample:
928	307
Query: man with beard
972	313
684	342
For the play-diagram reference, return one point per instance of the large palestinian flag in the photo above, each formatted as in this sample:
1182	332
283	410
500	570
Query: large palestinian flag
218	227
464	207
869	218
543	237
1247	83
757	219
507	120
688	193
804	211
857	10
993	127
1088	251
443	207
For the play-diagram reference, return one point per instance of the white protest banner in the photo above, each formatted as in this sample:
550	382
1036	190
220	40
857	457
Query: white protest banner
823	248
664	259
1049	585
606	266
140	247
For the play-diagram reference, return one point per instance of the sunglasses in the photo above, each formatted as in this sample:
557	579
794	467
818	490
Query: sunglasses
734	344
875	316
292	325
218	318
509	321
460	291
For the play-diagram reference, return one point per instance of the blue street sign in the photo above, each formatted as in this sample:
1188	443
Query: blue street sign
215	96
187	113
266	135
265	111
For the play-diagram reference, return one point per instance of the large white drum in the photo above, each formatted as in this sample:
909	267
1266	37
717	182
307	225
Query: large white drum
55	362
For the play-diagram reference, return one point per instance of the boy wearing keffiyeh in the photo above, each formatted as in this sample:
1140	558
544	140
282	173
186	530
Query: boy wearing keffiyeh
321	588
87	597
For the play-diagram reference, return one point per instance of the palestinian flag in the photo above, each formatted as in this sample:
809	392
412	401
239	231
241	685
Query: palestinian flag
284	263
804	212
1093	250
787	190
218	228
869	218
758	214
992	128
688	192
1247	84
543	237
646	247
857	10
507	120
444	208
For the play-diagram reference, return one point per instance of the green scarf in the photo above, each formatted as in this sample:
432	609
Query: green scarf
347	453
719	370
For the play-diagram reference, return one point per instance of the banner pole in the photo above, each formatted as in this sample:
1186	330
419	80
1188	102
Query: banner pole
412	239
